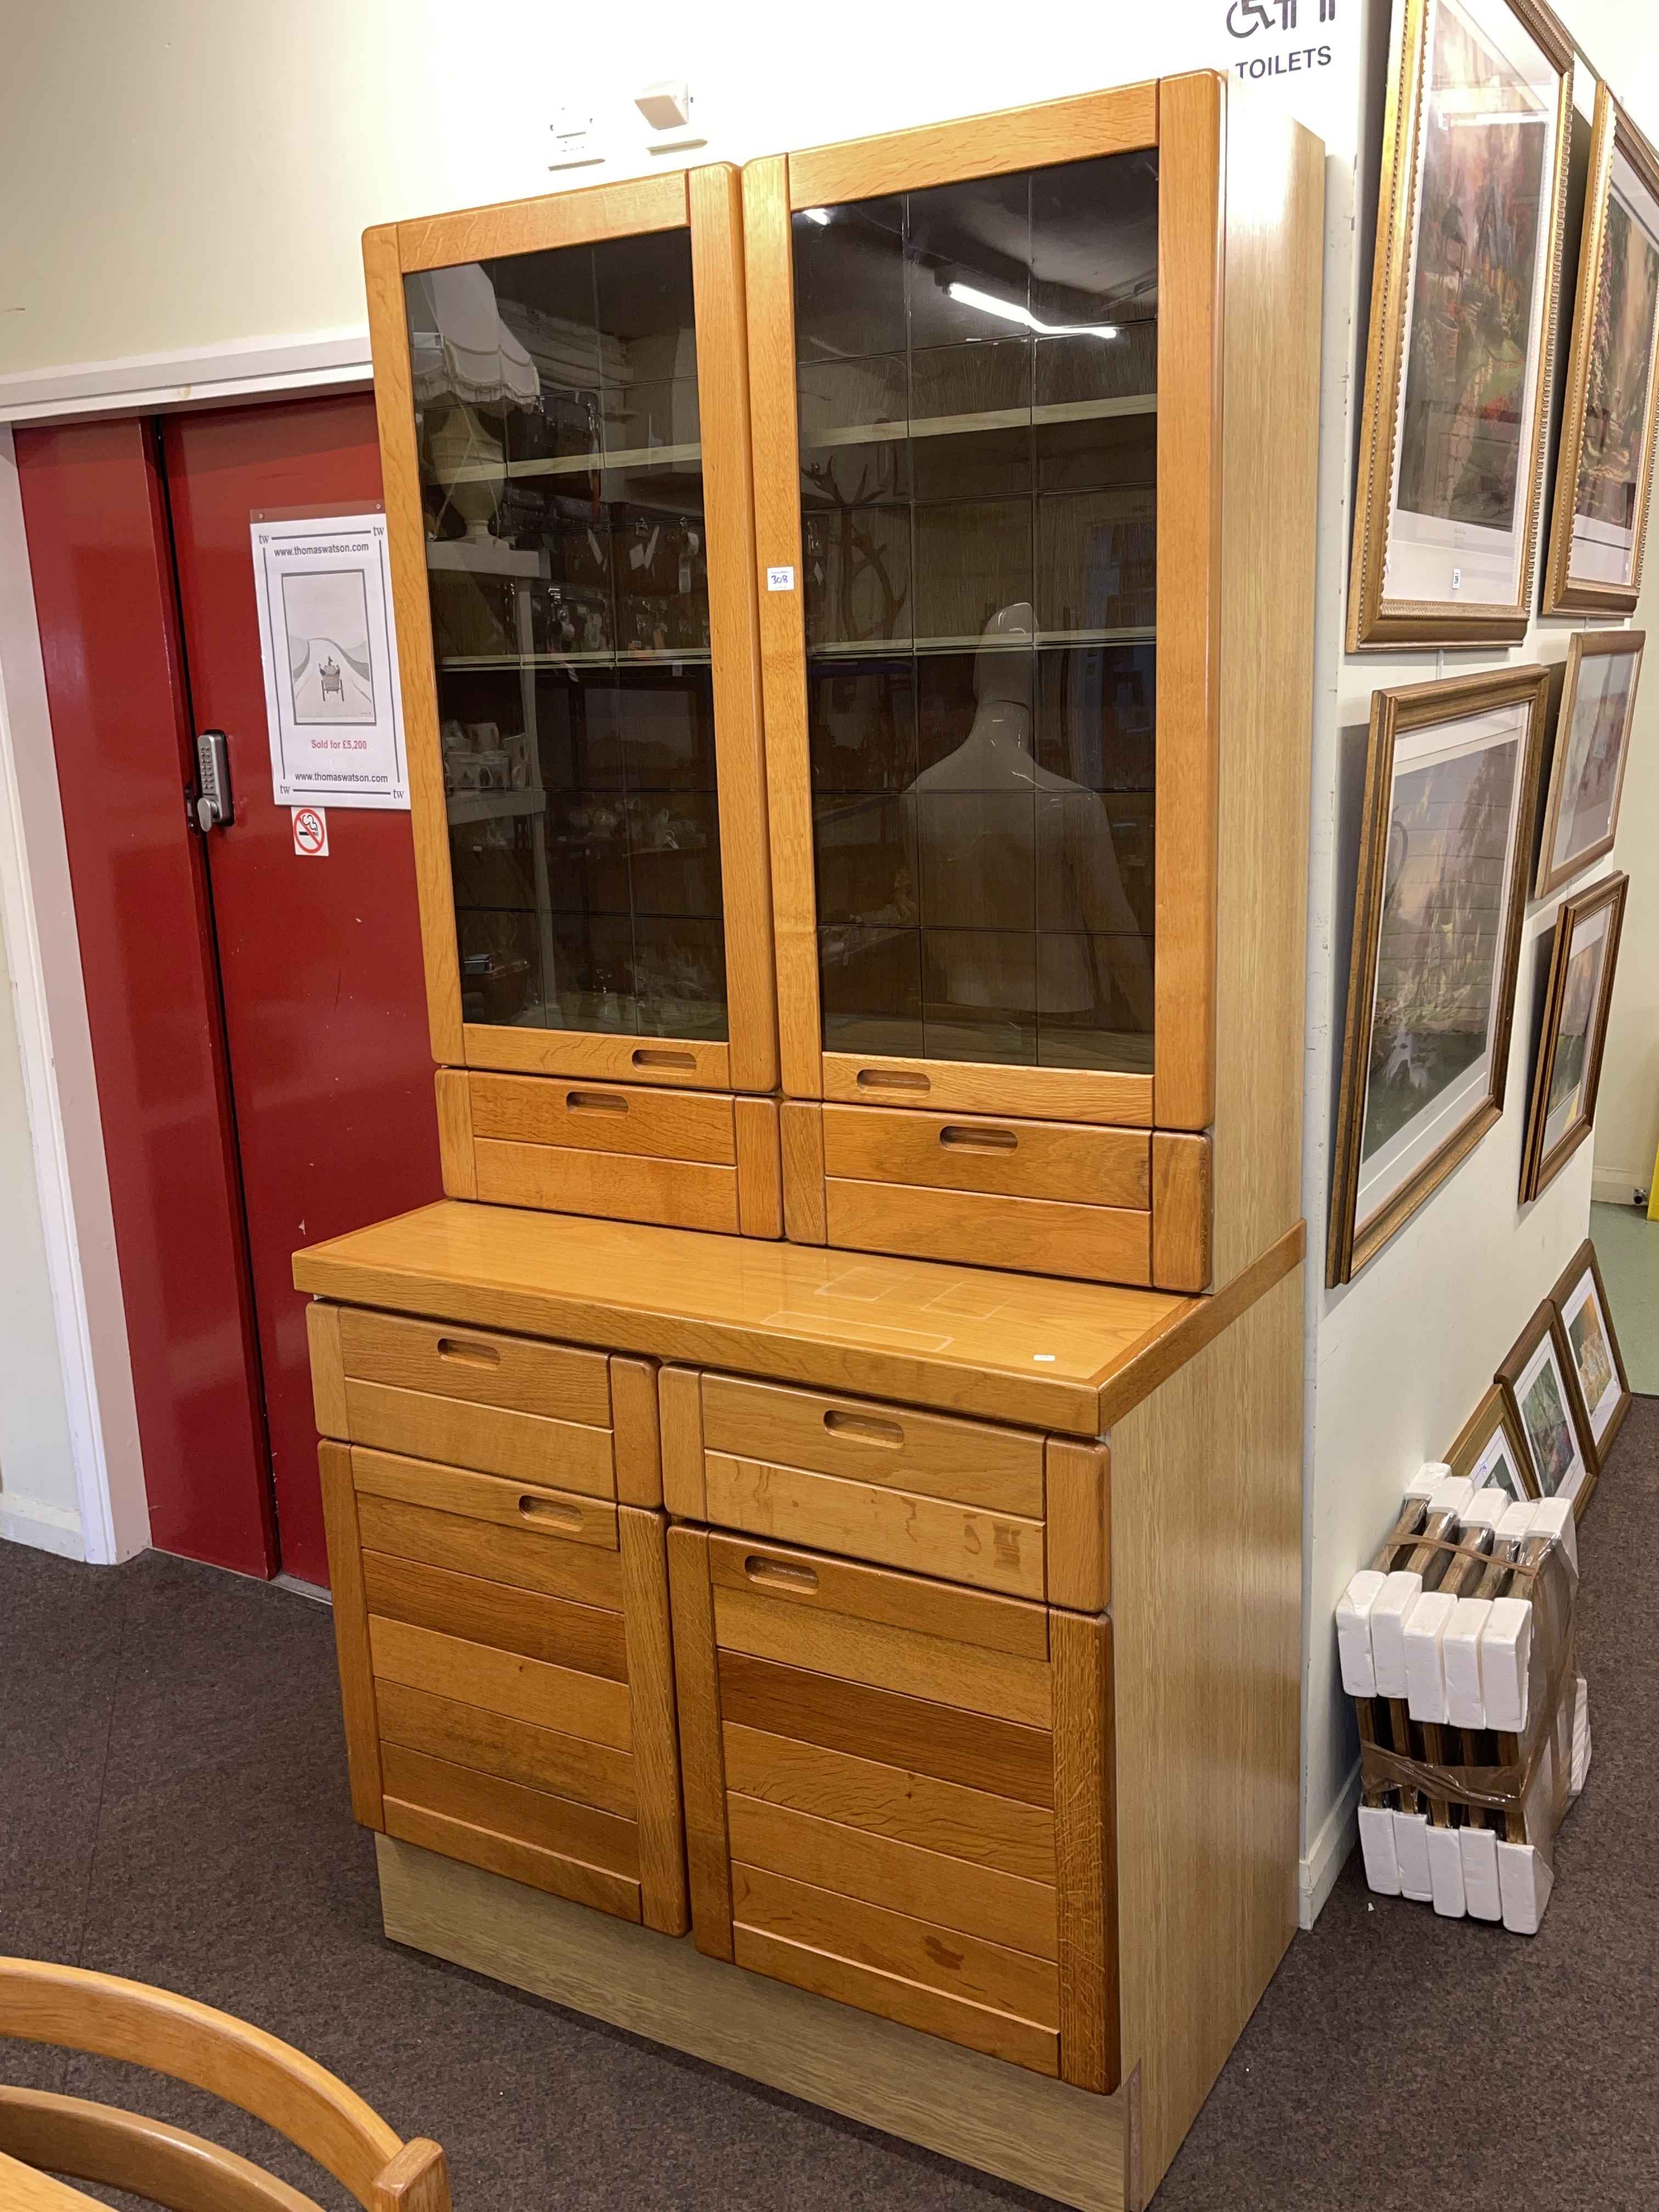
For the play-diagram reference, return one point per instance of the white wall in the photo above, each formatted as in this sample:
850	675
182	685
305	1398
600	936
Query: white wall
1627	1110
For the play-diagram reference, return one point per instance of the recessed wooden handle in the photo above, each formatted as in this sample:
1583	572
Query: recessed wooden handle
961	1139
865	1428
782	1574
596	1101
892	1079
650	1056
549	1513
470	1355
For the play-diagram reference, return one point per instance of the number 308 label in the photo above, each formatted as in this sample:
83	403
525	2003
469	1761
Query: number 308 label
780	579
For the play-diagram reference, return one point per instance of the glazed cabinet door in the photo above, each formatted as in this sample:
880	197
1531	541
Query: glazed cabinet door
562	386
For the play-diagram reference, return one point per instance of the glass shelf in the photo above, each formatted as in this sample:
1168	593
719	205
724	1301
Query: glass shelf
569	465
998	418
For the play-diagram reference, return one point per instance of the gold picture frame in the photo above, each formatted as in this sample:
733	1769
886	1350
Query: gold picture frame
1580	1300
1447	500
1567	1071
1592	749
1490	1438
1539	1384
1610	413
1451	790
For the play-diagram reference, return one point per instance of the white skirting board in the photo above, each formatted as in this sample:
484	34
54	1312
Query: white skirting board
1316	1874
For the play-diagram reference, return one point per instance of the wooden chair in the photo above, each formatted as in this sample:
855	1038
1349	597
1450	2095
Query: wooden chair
42	2135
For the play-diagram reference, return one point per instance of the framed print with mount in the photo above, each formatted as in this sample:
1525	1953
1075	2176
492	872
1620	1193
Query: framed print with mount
1450	786
1580	1299
1539	1383
1491	1450
1604	468
1462	328
1568	1069
1592	745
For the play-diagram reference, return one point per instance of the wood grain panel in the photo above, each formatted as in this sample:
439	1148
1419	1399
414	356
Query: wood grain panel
518	1862
502	1682
1182	1210
803	1172
1191	138
679	1193
584	1637
636	1424
715	193
1060	1160
545	1519
888	1800
760	1171
894	1527
664	1901
679	1407
553	1455
1047	1094
540	226
603	1117
1078	129
587	1574
542	1759
1003	1759
698	1692
555	1381
974	1463
1077	1532
961	1966
531	1816
675	1063
1085	1841
1099	1243
454	1091
808	1580
351	1645
974	1901
327	1369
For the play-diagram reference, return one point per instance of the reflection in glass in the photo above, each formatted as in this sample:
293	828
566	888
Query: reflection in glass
561	483
977	398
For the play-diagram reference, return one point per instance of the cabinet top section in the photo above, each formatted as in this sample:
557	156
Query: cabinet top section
1071	1357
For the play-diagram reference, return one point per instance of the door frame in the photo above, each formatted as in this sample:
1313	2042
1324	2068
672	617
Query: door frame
37	911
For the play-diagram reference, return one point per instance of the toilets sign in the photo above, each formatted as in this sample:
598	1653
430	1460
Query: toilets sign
1282	38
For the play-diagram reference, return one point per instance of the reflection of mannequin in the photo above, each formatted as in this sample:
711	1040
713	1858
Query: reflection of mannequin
989	863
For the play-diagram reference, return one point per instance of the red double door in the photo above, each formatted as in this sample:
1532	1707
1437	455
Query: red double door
257	1018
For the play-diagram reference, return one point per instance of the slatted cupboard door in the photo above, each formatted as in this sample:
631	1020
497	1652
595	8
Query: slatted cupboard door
898	1794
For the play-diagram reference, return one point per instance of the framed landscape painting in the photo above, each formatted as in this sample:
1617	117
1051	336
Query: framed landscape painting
1539	1382
1568	1071
1492	1451
1464	290
1592	745
1445	846
1580	1300
1604	470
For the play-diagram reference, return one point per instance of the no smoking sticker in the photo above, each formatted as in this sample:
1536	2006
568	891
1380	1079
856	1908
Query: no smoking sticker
311	832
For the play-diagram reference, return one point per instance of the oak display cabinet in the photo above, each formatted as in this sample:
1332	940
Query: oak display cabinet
562	386
895	1597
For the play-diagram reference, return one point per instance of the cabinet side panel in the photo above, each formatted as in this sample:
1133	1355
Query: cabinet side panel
760	1172
454	1093
1206	1647
327	1369
704	1762
1085	1850
656	1735
804	1218
637	1430
400	477
1275	229
345	1569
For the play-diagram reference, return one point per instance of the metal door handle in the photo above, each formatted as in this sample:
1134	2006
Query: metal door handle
214	808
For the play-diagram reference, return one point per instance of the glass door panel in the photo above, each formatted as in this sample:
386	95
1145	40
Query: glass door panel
976	393
560	444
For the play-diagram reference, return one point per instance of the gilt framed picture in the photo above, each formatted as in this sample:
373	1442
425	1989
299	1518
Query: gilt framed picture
1580	1300
1464	290
1445	847
1539	1382
1604	467
1492	1451
1568	1070
1592	745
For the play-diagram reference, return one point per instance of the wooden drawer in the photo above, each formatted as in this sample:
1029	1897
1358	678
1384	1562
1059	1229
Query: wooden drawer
1058	1160
521	1374
506	1670
1095	1243
899	1795
684	1159
998	1508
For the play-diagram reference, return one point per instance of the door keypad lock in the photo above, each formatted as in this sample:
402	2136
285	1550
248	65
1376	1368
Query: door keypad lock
214	810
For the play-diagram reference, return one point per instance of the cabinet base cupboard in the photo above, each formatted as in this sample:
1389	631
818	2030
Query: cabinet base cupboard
815	1513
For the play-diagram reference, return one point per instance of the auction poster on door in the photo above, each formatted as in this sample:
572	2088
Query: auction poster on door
329	653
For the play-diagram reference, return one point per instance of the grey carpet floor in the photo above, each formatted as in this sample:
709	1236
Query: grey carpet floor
173	1807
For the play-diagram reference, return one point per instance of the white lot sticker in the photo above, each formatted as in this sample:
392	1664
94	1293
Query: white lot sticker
329	655
780	579
311	832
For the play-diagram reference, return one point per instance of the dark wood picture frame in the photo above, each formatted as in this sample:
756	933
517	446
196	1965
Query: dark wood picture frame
1495	1413
1584	645
1546	1323
1351	1244
1540	1161
1584	1263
